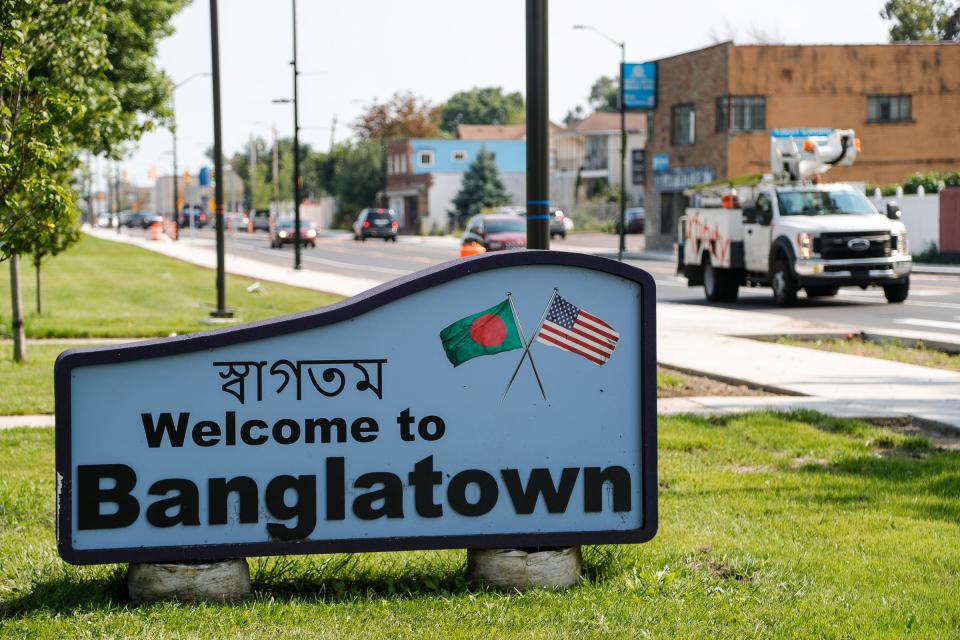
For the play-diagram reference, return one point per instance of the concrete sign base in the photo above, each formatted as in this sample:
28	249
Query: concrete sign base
519	570
223	580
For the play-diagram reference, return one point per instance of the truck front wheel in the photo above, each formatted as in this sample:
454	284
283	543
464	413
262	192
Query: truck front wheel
784	283
718	284
897	292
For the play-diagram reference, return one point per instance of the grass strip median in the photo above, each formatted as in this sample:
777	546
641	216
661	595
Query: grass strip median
888	349
772	525
103	289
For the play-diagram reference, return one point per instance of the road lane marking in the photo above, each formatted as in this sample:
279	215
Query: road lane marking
345	265
933	324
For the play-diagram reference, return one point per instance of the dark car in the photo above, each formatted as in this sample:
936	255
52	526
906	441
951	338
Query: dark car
376	223
139	219
284	233
192	216
261	220
497	231
635	218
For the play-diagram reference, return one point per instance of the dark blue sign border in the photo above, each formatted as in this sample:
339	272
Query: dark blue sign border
340	312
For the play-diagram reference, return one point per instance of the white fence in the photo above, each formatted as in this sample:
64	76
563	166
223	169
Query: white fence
921	215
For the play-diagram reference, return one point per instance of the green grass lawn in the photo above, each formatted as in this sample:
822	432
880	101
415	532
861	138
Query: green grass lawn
891	349
771	526
106	289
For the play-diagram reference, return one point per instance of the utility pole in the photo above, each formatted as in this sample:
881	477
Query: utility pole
221	310
252	158
333	132
116	192
173	131
538	127
623	133
276	168
296	151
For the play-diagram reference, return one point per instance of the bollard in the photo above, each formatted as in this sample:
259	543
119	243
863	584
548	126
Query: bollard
217	580
522	569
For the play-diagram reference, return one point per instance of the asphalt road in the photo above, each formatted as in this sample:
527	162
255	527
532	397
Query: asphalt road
933	306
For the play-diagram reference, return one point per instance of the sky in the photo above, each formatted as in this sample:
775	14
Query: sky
352	53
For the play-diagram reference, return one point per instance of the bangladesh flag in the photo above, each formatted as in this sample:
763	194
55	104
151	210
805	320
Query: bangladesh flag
493	330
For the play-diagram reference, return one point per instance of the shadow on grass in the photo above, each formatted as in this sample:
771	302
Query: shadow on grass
70	594
333	578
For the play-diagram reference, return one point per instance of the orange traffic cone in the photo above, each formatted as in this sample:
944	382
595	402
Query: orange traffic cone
471	249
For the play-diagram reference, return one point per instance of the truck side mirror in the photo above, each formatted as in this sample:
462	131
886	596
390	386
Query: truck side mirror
750	214
893	210
766	217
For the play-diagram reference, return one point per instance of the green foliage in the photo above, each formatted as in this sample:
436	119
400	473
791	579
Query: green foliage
931	181
482	106
404	115
76	74
356	175
922	19
605	94
482	188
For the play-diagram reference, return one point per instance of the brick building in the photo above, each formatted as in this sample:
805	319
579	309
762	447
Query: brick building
716	107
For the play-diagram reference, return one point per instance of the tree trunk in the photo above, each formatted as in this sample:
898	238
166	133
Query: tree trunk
36	263
16	307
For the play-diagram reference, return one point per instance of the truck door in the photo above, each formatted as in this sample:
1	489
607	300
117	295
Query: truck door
756	235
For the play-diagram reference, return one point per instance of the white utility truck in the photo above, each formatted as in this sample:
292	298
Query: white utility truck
792	232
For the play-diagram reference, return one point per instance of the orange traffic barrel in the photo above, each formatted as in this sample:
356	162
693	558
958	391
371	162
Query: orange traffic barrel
156	231
471	249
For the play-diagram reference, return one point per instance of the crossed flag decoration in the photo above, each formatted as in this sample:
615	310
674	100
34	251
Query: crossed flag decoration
562	325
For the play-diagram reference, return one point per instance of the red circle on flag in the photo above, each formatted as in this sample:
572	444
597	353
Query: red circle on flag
488	330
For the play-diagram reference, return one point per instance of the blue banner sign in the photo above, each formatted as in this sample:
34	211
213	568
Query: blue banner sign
640	85
476	426
661	162
800	133
680	178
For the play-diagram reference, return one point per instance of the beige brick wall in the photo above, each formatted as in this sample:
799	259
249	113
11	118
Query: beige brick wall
827	86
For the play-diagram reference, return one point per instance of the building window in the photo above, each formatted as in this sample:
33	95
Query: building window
425	158
889	108
459	156
595	156
741	113
683	124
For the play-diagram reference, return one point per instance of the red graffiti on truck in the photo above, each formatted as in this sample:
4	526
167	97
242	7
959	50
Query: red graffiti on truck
708	237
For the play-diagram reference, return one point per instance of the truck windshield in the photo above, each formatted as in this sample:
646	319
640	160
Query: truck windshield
816	203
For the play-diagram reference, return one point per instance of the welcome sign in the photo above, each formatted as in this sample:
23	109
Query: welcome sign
506	400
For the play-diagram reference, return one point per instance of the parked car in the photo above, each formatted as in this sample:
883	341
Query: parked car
151	219
376	223
559	224
261	220
496	231
284	233
192	216
635	219
107	220
236	221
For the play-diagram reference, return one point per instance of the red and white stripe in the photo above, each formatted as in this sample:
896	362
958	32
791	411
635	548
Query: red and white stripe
590	337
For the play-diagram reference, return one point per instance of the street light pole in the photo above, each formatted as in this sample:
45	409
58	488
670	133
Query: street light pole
297	264
221	310
173	131
538	128
623	134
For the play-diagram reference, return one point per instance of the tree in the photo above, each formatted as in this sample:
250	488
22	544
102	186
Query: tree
605	94
59	239
922	20
356	176
74	75
403	116
482	106
481	188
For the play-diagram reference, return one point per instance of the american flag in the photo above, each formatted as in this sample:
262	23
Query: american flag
570	328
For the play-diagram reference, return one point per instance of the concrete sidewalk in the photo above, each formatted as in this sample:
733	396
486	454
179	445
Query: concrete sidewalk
712	341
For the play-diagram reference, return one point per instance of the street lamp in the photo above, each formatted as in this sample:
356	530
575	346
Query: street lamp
623	135
173	131
221	311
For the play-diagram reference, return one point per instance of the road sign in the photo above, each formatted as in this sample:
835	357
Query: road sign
661	162
381	423
640	85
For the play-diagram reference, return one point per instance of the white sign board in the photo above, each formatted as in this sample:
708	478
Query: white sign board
505	400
